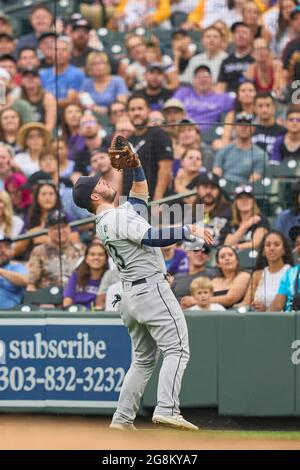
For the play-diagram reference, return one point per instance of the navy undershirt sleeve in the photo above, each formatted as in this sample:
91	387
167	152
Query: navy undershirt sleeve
163	236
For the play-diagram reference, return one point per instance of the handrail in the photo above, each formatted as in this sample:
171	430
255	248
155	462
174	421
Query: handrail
90	220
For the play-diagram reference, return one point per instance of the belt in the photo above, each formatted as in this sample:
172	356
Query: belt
142	281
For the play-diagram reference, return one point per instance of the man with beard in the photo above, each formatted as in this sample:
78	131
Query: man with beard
217	210
80	39
13	277
154	147
154	91
90	129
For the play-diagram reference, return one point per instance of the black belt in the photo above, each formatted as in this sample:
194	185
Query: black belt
142	281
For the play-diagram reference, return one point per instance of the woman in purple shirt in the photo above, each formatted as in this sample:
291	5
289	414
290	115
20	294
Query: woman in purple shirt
70	129
83	284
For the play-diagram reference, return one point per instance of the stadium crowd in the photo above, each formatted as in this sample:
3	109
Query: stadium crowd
206	91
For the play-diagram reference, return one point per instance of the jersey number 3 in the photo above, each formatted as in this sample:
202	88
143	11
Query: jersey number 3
118	260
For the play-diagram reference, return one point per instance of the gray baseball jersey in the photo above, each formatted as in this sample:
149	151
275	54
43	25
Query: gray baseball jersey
121	230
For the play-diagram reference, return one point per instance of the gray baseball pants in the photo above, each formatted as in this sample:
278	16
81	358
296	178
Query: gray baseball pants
155	323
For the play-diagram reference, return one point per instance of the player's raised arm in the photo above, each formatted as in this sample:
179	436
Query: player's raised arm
123	156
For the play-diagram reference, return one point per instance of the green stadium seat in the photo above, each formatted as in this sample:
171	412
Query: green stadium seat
289	168
49	295
247	259
177	18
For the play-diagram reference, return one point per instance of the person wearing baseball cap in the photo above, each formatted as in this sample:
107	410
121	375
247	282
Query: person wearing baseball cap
155	91
80	38
13	276
84	188
217	210
248	225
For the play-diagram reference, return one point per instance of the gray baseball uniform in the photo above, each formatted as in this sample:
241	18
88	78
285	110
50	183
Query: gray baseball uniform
150	311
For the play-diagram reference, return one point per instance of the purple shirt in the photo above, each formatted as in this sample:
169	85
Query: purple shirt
80	296
204	109
76	143
179	262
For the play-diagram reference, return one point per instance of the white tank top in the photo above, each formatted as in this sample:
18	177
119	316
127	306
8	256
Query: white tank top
268	285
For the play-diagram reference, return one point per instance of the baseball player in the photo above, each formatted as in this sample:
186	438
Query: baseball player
148	306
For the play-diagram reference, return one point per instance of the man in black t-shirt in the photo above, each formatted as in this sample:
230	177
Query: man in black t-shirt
154	147
154	91
291	53
267	130
234	66
80	39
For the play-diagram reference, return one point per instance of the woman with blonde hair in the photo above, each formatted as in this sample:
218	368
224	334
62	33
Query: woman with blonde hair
101	89
248	225
10	225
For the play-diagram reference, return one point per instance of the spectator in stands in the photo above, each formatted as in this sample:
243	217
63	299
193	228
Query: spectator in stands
231	284
115	111
289	44
176	260
266	71
48	164
183	51
9	125
285	27
290	217
241	162
202	291
10	224
273	260
189	135
252	18
32	138
7	44
244	102
13	276
156	118
83	285
44	268
63	79
225	33
9	63
130	14
5	24
288	145
201	103
234	66
100	161
217	210
212	56
154	147
135	71
21	198
124	127
80	39
47	41
267	130
102	88
154	90
287	297
28	58
109	286
209	11
90	130
59	149
6	163
248	225
23	108
190	167
41	19
278	23
42	102
198	258
154	54
174	112
71	117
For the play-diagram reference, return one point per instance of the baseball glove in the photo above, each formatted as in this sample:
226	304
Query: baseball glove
121	154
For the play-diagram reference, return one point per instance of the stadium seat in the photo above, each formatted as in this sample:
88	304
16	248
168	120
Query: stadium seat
177	18
289	168
247	259
52	295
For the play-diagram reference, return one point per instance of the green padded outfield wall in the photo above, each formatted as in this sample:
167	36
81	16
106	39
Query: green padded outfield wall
256	374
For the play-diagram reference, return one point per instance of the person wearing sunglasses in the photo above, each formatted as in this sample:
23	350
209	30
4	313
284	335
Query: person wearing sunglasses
248	225
287	146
